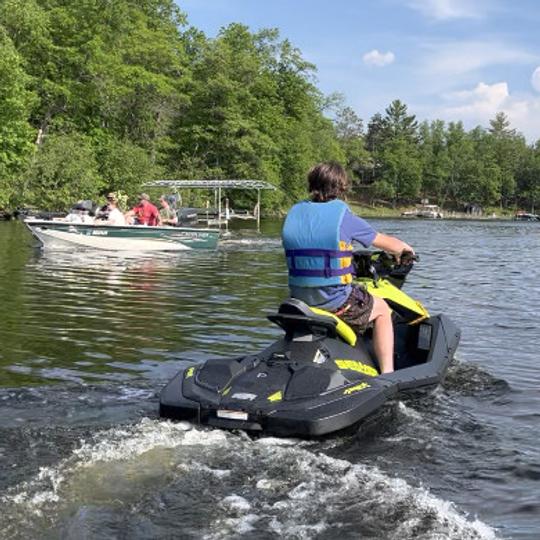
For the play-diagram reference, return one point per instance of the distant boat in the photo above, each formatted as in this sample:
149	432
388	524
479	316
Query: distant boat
426	211
58	234
526	216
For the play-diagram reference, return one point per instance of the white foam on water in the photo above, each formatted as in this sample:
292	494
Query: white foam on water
218	473
233	528
273	486
320	492
129	394
298	531
267	484
277	441
251	242
236	504
119	444
395	492
238	519
408	411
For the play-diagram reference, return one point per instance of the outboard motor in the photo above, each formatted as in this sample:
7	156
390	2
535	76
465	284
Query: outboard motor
86	205
187	216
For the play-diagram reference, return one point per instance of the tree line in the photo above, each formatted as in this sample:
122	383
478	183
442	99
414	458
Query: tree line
101	96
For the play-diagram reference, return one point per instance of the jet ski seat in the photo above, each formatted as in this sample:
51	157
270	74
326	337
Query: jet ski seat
295	316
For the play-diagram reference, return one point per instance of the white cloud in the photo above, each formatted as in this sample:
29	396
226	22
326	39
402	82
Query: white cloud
535	79
484	99
376	58
482	103
448	9
459	58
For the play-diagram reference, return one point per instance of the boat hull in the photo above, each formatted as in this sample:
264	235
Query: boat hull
61	235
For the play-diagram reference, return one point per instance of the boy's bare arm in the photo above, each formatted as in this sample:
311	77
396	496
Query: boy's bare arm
391	244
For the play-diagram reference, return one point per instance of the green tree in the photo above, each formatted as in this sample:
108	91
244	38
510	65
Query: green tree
460	157
253	113
397	123
125	167
350	134
15	131
401	169
62	172
528	179
397	160
435	159
509	150
133	93
484	179
375	133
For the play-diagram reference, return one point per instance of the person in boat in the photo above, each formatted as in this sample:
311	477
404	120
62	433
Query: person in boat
144	213
317	236
113	214
80	213
167	214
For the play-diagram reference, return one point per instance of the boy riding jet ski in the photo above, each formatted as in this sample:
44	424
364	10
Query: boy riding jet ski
321	377
318	234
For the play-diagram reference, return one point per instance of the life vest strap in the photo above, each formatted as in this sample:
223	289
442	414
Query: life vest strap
322	272
335	254
327	254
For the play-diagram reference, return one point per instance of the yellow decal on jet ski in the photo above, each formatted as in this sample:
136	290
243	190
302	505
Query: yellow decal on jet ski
190	372
356	388
342	328
411	310
276	396
354	365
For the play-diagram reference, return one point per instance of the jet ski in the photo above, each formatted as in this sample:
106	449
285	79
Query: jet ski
319	377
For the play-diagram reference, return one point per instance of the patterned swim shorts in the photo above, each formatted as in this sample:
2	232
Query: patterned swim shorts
357	309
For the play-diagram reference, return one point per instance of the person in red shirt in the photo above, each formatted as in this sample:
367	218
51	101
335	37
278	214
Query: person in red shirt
145	213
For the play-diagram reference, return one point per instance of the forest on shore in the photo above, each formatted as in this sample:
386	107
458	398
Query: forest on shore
99	96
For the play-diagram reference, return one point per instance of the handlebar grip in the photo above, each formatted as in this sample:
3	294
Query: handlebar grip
408	256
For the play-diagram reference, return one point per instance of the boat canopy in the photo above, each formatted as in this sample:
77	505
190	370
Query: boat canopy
218	186
212	184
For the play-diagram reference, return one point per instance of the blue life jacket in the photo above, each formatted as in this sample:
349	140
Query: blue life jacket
316	255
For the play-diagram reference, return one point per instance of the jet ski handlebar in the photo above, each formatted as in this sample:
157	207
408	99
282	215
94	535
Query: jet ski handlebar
380	264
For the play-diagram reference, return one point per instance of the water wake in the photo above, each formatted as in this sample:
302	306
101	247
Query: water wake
158	478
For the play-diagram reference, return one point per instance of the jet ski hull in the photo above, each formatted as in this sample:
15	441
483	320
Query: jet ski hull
310	383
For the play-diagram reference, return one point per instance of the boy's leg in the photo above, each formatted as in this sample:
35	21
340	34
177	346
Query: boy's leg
363	308
383	335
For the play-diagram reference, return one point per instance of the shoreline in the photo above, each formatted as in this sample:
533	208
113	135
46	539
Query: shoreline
382	212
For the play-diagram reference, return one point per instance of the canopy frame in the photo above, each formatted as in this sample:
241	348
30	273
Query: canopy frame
217	186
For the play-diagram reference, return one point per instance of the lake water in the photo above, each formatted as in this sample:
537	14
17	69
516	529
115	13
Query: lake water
87	341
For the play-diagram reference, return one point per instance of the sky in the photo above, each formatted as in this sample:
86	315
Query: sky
446	59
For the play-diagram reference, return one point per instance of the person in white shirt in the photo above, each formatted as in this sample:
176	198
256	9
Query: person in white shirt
114	215
79	214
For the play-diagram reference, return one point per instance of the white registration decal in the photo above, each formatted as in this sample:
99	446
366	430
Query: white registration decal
244	395
232	415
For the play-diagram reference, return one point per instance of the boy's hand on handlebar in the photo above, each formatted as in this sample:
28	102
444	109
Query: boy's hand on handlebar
407	255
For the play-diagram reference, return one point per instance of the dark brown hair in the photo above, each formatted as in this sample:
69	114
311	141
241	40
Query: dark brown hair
327	181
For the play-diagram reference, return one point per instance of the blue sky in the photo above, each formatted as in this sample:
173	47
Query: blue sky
449	59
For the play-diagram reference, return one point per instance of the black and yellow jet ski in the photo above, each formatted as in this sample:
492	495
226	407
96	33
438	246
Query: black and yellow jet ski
320	377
